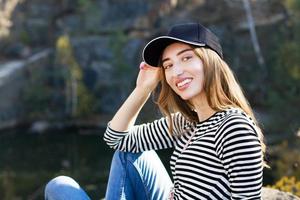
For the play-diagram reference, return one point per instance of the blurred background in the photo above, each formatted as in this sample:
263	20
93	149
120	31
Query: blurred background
67	65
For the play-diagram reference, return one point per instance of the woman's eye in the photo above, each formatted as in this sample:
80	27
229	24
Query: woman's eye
167	66
186	58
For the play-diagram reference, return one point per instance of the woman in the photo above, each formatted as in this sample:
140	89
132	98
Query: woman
218	148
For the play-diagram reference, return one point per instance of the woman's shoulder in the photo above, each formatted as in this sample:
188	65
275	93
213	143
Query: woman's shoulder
237	113
236	118
237	127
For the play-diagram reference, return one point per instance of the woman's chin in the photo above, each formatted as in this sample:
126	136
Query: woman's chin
185	97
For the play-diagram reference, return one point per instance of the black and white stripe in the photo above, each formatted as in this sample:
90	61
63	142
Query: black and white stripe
222	161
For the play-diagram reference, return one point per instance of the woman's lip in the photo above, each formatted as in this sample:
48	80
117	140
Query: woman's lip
181	80
183	83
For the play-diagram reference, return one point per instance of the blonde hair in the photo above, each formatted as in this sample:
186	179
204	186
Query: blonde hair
221	89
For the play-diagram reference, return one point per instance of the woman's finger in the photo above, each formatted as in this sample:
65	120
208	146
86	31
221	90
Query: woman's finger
142	65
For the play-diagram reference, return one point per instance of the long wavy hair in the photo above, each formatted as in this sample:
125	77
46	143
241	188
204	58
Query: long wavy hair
220	86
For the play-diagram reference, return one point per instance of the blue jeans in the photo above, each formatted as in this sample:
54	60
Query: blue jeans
132	176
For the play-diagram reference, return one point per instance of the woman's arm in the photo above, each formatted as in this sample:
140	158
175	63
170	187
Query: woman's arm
144	137
240	150
147	80
121	133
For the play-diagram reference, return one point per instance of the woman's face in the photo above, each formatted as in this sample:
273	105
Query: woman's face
183	71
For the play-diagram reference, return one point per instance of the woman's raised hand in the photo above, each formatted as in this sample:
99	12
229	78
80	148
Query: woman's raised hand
146	82
148	77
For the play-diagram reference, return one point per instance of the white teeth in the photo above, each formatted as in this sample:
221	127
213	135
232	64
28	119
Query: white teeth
182	83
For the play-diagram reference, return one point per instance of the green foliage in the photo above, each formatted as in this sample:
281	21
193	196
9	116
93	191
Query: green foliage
58	89
24	37
122	70
285	85
287	53
284	73
37	94
117	42
7	184
284	161
80	100
90	16
293	5
289	60
84	5
41	95
287	184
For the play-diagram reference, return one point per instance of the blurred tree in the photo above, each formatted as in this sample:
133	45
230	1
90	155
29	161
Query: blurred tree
256	46
284	78
288	184
121	68
6	10
39	94
79	101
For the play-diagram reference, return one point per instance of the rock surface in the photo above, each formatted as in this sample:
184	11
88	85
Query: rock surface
272	194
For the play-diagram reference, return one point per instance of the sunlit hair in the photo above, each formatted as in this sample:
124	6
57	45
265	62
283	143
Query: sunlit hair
220	86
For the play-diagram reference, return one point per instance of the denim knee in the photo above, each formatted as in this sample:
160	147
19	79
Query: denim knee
63	187
60	182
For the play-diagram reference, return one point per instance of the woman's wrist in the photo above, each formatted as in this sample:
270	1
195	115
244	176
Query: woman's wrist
143	91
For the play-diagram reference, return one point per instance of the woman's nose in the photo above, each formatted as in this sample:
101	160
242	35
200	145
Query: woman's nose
177	70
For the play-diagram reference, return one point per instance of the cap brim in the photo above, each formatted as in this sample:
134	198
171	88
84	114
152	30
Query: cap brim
153	50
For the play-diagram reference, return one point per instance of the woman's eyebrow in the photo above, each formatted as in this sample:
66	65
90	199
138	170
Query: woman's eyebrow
180	52
184	50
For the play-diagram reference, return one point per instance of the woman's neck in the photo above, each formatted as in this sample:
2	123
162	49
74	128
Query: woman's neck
204	111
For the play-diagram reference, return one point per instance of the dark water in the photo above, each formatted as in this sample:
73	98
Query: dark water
29	161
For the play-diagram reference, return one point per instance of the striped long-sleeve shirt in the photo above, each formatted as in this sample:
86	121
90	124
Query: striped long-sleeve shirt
219	158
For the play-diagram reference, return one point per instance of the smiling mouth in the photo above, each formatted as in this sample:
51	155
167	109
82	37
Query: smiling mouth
183	83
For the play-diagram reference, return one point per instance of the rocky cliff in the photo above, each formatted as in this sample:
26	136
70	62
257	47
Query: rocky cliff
107	38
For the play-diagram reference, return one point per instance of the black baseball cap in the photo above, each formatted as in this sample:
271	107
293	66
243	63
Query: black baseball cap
190	33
